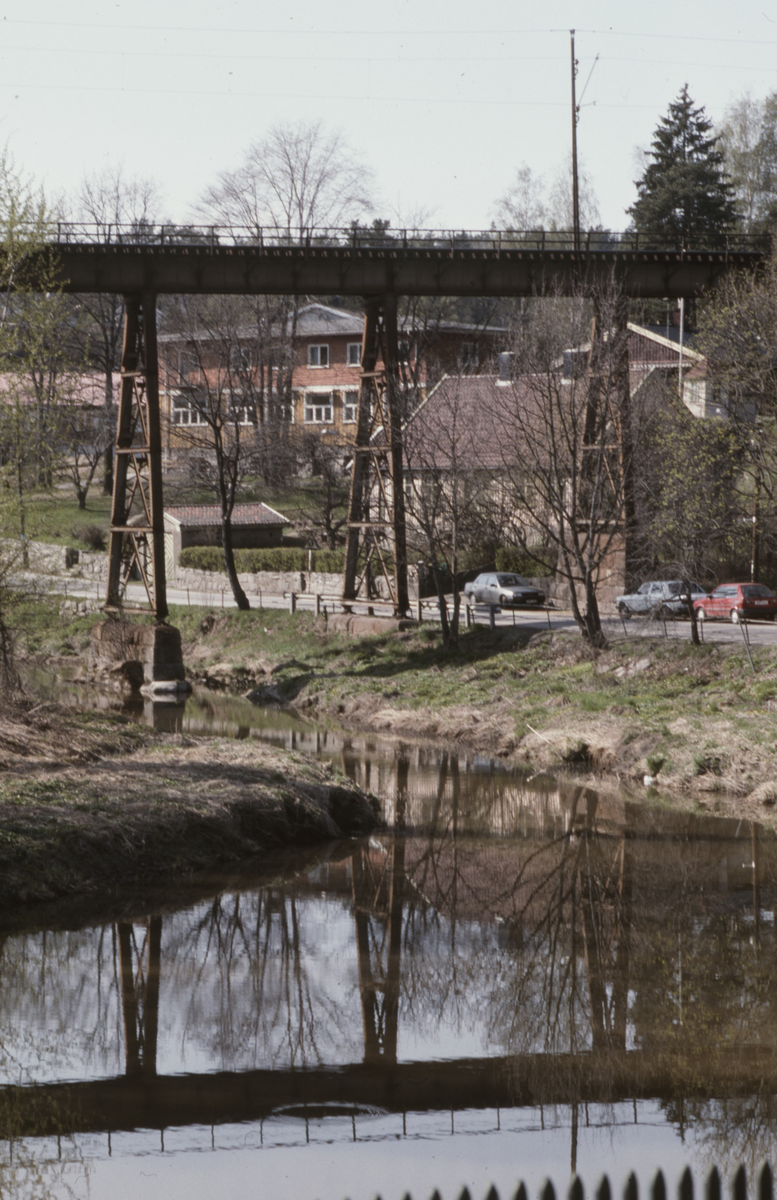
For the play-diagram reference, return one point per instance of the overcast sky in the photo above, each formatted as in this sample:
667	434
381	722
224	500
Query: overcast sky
444	99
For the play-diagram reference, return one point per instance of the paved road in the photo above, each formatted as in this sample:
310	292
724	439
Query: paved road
760	633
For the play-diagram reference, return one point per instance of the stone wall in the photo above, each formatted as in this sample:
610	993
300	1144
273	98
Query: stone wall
45	559
270	583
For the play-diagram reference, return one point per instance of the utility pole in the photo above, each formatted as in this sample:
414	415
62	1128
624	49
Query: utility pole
575	117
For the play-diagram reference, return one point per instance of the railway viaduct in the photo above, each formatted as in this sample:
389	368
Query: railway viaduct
379	268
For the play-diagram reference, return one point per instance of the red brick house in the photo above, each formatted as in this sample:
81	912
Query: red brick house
325	371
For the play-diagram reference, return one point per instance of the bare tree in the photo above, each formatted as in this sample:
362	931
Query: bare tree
451	502
568	433
87	433
299	176
295	178
208	369
326	513
35	339
738	335
533	202
748	139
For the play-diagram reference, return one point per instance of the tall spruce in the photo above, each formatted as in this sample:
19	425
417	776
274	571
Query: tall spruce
684	197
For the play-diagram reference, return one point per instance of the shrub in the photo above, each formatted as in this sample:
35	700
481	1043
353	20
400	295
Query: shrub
93	536
534	560
270	558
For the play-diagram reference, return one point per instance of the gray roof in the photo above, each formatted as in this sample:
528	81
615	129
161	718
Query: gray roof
320	320
323	321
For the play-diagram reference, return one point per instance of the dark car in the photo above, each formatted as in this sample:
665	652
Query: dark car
508	591
732	601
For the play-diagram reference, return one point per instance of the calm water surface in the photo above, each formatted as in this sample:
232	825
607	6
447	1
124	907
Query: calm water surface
515	979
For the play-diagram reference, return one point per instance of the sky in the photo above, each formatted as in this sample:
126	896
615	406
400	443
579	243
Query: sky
443	99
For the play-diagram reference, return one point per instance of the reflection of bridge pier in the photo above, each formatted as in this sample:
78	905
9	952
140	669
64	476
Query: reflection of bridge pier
378	889
139	970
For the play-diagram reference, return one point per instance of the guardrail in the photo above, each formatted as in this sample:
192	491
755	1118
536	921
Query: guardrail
495	240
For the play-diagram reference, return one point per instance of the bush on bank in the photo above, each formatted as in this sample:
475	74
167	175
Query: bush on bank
271	558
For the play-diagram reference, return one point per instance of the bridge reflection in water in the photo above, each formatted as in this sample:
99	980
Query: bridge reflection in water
507	945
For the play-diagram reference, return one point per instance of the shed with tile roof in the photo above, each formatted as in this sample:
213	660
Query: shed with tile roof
253	526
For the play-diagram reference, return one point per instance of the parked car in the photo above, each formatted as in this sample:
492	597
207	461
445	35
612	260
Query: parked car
508	591
732	601
660	597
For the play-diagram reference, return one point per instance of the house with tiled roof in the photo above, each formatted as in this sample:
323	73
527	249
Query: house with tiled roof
486	435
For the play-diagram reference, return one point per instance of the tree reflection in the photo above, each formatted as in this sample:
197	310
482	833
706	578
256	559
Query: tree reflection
139	968
607	953
378	892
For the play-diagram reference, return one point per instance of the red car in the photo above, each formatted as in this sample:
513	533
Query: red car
732	601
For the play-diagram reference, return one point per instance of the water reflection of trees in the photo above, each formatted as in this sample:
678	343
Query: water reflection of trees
255	991
611	954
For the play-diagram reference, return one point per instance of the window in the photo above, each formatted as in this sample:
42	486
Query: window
242	412
281	411
469	354
350	407
318	355
188	411
405	351
353	354
188	367
318	408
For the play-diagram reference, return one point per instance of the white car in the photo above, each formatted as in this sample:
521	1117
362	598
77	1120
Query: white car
660	597
508	591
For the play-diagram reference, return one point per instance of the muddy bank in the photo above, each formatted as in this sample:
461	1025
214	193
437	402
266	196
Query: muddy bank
692	723
89	803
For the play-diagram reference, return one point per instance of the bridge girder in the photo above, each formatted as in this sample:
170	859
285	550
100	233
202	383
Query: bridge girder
411	271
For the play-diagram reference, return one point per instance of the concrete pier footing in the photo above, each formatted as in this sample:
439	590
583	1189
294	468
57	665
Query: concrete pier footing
149	655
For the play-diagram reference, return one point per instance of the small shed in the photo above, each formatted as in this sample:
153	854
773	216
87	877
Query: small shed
253	525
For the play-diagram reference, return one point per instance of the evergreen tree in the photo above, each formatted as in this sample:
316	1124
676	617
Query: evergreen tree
684	197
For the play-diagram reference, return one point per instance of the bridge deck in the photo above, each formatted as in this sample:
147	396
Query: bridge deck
162	1101
206	260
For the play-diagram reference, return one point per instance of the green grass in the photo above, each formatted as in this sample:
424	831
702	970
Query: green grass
56	517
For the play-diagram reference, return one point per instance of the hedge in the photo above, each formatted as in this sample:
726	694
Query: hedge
271	558
536	560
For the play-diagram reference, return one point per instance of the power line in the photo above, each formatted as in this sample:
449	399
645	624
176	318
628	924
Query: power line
673	36
275	95
508	60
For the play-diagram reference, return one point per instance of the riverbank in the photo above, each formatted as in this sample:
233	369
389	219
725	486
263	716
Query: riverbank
91	803
694	719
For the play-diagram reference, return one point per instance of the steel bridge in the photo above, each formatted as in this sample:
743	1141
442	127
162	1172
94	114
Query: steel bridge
143	261
220	260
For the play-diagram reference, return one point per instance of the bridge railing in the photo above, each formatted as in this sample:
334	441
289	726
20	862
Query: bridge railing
761	1187
456	240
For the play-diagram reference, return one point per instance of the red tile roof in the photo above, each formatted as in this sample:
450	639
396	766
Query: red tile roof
210	514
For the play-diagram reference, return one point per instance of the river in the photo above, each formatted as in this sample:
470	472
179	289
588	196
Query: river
518	978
